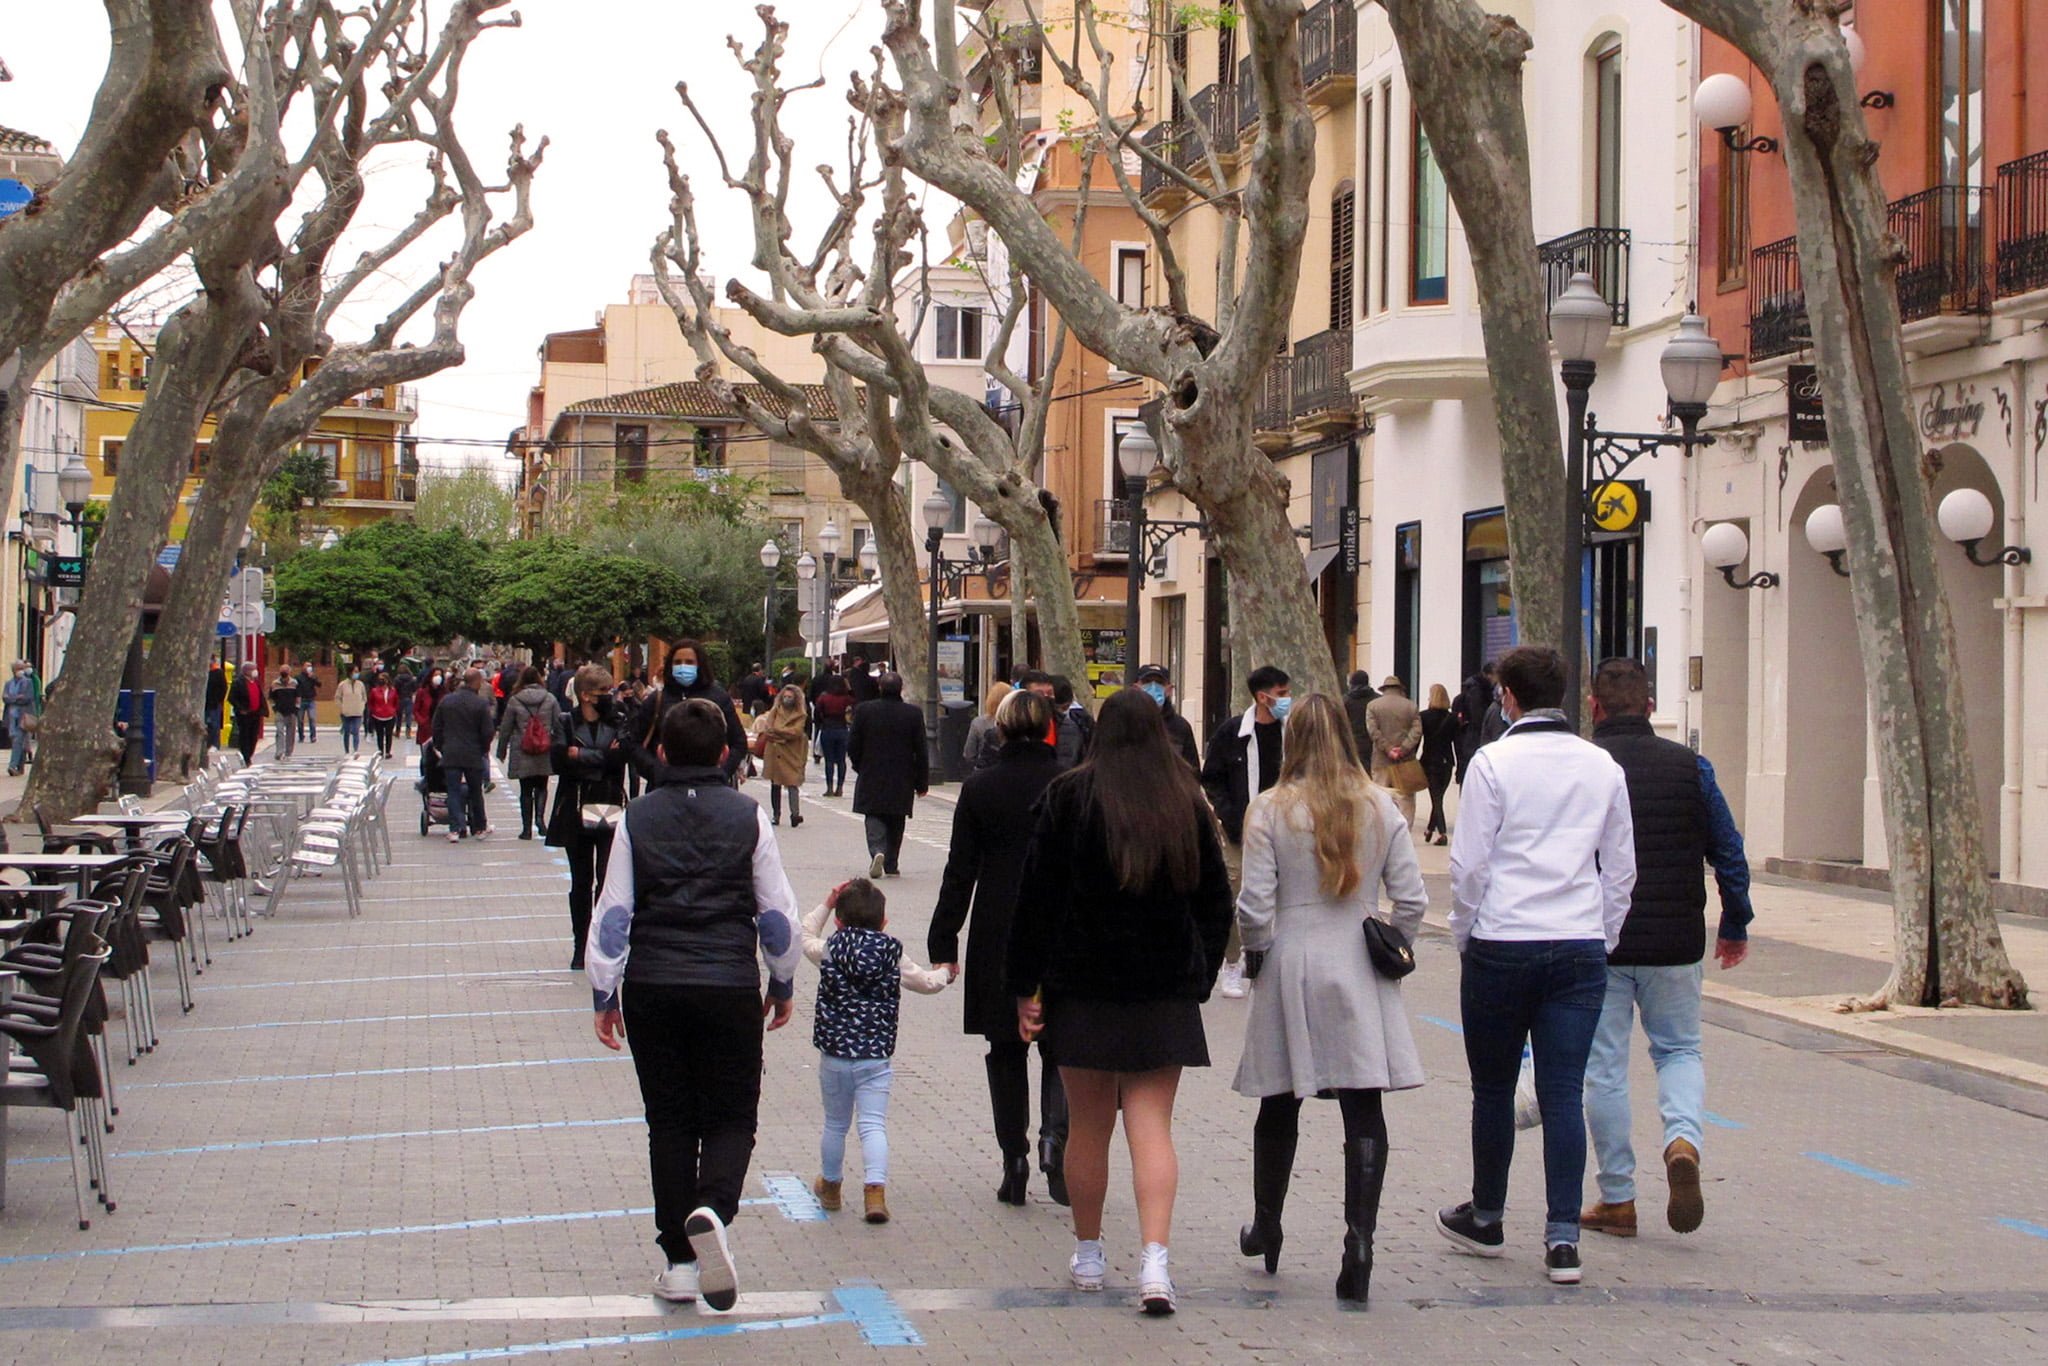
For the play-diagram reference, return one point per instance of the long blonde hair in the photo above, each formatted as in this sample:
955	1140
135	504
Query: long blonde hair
1320	772
993	698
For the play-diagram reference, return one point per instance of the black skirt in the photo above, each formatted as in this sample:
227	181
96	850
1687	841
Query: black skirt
1124	1036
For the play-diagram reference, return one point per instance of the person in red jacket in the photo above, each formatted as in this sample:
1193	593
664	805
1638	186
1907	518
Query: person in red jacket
250	705
383	713
423	703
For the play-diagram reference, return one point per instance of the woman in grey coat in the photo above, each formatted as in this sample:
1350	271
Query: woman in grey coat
1318	846
529	767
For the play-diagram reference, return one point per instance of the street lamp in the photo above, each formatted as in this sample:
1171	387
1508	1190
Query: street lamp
1966	517
1722	102
828	541
870	561
1726	545
1825	533
74	486
936	510
1580	322
771	560
1138	454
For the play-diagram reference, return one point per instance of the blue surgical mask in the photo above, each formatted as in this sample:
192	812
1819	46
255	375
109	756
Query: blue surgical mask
1155	691
685	674
1280	706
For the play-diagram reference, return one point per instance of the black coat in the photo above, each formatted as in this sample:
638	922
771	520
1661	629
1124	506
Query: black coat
1356	700
216	689
596	775
464	729
863	685
991	830
1183	736
1439	740
1666	925
886	744
644	732
1076	933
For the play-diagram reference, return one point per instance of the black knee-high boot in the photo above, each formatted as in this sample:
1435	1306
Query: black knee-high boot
1365	1175
1272	1170
1009	1097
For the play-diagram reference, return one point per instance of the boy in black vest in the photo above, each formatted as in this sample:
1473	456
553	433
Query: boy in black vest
1681	823
693	890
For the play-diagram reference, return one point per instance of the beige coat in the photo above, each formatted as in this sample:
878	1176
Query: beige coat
1393	723
788	749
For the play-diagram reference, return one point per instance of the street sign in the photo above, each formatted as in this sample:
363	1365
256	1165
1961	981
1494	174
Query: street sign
808	625
66	571
224	629
14	197
168	556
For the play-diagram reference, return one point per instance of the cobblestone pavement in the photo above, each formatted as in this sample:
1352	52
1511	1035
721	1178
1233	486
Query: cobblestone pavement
395	1138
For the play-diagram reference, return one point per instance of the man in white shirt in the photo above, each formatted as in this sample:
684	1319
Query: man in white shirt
1542	865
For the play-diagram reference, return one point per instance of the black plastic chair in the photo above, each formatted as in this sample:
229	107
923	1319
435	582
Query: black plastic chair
63	1075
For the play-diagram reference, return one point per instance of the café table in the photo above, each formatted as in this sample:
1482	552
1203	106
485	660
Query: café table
131	826
7	985
80	866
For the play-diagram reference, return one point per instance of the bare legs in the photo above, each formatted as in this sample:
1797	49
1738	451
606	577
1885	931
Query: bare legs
1146	1099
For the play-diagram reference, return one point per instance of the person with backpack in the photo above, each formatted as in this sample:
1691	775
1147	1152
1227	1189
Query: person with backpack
526	741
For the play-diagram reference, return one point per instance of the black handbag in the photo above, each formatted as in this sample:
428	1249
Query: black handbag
1389	952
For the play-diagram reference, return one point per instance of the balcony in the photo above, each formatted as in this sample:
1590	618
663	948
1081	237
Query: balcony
1164	140
1943	288
1319	394
1329	51
2023	236
1212	109
1273	418
1777	301
1247	97
401	399
373	486
1112	528
1601	253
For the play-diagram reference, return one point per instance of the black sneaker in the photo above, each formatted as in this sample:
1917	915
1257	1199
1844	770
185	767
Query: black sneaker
1481	1240
1562	1262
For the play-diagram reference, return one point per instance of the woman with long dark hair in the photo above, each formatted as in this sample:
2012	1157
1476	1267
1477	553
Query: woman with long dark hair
830	707
590	755
1122	914
1318	846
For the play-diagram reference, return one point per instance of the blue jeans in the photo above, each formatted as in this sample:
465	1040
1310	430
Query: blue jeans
351	734
465	799
848	1084
1669	1000
832	744
1546	993
17	754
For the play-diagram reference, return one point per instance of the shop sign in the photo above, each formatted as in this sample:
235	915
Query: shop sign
1619	506
66	571
1951	417
1348	541
1806	418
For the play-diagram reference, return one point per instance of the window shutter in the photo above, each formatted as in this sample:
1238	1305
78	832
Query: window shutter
1343	248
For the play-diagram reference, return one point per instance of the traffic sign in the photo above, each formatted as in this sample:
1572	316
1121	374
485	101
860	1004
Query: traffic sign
14	197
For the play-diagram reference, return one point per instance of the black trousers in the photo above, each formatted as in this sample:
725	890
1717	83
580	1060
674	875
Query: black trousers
533	802
248	734
885	837
698	1053
1009	1097
587	858
1280	1116
1439	779
380	731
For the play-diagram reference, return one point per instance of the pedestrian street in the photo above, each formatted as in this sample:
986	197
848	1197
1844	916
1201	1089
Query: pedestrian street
395	1138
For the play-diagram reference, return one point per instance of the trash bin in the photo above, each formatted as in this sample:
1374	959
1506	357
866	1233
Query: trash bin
954	719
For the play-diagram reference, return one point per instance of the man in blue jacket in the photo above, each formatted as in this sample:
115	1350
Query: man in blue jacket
1682	824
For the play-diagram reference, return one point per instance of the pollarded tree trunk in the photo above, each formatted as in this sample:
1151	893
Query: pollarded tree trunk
1948	949
1464	71
1043	563
876	494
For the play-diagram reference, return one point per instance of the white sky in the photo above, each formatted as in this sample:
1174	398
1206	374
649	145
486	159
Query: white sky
597	77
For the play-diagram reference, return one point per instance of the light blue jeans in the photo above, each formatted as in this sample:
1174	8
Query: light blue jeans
850	1084
1668	998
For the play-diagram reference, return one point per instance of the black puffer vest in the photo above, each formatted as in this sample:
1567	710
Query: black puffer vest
1667	924
694	919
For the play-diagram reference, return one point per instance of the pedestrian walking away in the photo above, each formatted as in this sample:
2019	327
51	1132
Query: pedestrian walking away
861	976
408	684
779	739
1681	823
462	734
22	698
1359	694
1075	728
1395	728
526	746
1324	1020
1156	683
992	824
1439	759
1542	864
250	705
351	701
886	744
215	706
1122	913
381	707
695	889
309	694
1475	698
829	713
284	700
590	758
984	740
860	681
1241	761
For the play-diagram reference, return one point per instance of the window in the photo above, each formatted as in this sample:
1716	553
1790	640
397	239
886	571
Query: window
1607	117
707	448
629	452
1343	237
1429	237
1490	624
959	332
370	465
956	522
1957	110
329	452
790	536
1731	245
110	458
1365	189
785	458
1170	637
1176	63
1226	43
200	450
1408	604
1130	276
1386	184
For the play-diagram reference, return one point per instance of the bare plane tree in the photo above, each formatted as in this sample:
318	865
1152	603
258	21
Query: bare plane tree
1948	949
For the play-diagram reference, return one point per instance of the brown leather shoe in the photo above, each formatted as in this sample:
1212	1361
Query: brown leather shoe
1618	1219
1682	1170
876	1200
827	1193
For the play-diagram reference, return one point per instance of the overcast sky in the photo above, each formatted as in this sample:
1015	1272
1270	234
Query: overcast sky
597	77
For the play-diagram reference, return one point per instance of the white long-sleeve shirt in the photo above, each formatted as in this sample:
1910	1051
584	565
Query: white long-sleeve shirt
609	942
923	981
1545	845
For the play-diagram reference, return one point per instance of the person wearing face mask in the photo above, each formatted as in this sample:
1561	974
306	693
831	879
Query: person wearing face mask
24	701
1243	761
351	700
424	700
1156	683
685	676
589	754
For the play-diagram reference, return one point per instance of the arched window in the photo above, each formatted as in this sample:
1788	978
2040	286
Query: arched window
1607	118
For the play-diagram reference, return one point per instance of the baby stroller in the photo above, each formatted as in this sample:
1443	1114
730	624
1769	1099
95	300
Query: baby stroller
433	790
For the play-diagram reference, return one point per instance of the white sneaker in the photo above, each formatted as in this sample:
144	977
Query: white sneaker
1231	984
678	1284
454	838
1087	1265
1155	1286
717	1278
875	868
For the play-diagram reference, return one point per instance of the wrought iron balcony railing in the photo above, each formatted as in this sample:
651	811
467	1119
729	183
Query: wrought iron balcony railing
1944	233
1317	373
1777	300
1275	410
1601	253
2023	225
1112	527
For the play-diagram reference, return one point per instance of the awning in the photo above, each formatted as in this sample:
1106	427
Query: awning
1317	560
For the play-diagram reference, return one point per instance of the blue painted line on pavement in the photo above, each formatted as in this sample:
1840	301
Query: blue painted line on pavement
792	1195
1858	1169
325	1140
372	1072
430	944
379	1019
1721	1121
411	920
706	1330
452	975
881	1322
1441	1023
2022	1226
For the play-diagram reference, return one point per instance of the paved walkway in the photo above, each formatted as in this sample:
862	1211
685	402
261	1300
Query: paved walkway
395	1139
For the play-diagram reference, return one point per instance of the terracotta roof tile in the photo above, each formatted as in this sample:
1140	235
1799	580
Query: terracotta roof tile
14	140
694	399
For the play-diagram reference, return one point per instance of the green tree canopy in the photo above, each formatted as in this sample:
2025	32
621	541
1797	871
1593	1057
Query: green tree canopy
548	590
469	500
447	564
334	596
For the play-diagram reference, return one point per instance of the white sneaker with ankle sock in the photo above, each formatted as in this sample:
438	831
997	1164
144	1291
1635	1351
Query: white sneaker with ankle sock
1230	985
1155	1285
1087	1265
678	1284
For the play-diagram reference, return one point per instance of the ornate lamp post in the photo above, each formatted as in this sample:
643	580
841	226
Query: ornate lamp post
771	560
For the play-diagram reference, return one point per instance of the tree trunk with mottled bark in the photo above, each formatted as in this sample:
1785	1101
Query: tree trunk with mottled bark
1947	948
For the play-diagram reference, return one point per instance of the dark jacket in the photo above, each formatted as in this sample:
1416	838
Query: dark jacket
1228	776
596	775
463	729
860	993
1076	933
309	688
1183	736
1356	700
887	748
216	688
1666	923
644	733
750	694
284	699
863	686
247	697
992	826
694	912
1439	740
559	677
1076	732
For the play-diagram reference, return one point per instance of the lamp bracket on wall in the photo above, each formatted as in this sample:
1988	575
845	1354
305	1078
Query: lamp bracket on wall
1762	579
1732	138
1878	99
2012	554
